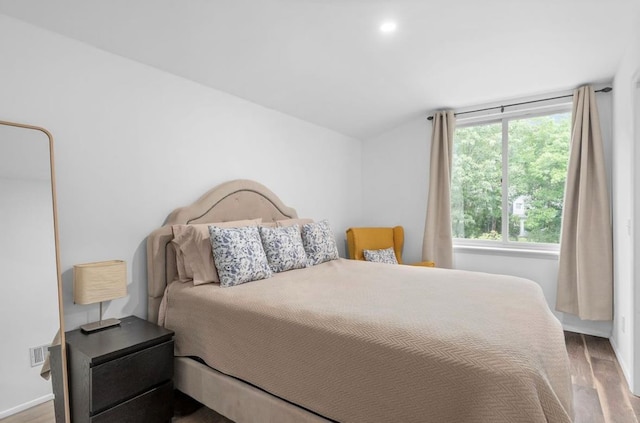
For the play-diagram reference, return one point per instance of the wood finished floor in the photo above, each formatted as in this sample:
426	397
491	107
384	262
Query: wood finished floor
42	413
600	392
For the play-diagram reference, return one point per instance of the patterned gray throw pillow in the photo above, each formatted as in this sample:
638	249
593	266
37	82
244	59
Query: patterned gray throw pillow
283	247
319	242
386	255
238	255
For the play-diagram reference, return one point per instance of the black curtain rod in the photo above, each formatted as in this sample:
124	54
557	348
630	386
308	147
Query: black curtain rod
603	90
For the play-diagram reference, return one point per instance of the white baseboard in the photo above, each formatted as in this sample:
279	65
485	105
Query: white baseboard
25	406
623	364
587	331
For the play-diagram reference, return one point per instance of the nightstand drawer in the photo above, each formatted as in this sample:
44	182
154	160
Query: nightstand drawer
155	406
128	376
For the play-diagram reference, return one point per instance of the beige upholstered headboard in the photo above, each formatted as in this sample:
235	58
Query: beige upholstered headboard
234	200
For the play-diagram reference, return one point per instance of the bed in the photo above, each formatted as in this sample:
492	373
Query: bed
352	341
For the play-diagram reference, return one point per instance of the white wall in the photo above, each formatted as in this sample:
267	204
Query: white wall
395	173
626	207
29	293
132	143
395	185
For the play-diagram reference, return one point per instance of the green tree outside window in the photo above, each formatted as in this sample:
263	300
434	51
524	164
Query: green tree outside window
538	154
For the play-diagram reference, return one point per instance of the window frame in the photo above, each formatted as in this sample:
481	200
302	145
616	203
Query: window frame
504	243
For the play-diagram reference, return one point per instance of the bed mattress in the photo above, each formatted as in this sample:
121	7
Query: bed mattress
365	342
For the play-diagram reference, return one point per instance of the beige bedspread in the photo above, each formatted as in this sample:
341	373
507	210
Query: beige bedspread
368	342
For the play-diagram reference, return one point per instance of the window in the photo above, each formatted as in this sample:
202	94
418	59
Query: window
508	177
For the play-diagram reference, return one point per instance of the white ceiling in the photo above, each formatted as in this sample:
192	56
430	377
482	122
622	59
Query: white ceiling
325	61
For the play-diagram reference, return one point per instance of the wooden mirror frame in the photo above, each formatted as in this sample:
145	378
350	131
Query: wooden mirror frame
63	349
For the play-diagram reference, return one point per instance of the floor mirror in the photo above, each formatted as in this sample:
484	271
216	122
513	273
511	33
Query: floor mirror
30	295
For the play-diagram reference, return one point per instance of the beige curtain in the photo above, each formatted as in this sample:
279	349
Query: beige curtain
585	275
437	245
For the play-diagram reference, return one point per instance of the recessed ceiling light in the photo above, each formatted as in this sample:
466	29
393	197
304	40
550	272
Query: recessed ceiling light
388	26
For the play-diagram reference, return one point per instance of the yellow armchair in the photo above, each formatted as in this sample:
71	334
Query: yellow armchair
360	239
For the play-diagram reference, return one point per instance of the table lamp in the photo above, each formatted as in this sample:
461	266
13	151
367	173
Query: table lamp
98	282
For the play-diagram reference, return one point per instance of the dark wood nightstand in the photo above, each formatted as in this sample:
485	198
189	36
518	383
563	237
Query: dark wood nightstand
121	374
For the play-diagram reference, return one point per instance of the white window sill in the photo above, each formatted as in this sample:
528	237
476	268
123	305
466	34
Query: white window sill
505	251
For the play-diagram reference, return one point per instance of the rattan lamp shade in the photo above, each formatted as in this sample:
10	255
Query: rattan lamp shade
98	282
101	281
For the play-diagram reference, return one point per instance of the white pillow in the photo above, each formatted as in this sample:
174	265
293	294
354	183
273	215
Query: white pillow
319	242
194	259
386	255
283	247
238	255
